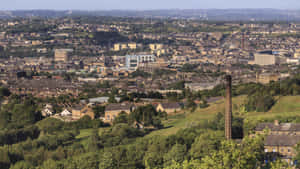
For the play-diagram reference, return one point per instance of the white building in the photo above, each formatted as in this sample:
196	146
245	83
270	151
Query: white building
292	60
200	86
47	111
133	61
66	112
265	58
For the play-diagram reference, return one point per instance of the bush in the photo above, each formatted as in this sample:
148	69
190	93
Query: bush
259	102
17	135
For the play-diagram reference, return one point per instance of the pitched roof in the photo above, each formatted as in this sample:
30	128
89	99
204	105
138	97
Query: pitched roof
214	99
118	106
65	112
78	107
174	105
279	127
282	140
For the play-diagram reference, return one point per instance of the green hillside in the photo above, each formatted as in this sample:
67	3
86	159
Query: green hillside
285	106
190	119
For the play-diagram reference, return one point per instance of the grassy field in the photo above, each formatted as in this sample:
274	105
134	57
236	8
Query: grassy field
285	106
85	133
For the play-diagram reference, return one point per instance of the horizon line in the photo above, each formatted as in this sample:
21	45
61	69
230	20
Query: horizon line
118	9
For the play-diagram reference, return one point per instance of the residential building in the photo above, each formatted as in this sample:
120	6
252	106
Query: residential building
265	78
62	55
81	111
155	46
281	146
281	139
169	108
133	61
100	100
66	112
113	110
200	86
47	111
125	46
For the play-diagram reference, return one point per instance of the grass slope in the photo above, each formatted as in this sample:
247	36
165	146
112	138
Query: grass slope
190	119
285	106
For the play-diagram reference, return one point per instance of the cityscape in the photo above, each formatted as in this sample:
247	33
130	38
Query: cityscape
150	89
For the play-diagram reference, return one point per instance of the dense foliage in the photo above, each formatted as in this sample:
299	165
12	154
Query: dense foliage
109	38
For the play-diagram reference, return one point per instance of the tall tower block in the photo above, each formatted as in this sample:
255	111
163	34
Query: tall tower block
228	109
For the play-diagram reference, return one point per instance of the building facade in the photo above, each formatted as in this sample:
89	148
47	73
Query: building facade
133	61
281	140
62	55
265	58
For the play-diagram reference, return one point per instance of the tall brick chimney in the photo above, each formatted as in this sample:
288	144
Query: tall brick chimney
228	109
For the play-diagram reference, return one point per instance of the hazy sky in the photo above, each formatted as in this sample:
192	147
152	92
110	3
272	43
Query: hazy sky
145	4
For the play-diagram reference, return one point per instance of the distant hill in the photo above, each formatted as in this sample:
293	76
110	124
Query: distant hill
202	14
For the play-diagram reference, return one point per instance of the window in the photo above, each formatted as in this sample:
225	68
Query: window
289	150
108	117
274	150
266	150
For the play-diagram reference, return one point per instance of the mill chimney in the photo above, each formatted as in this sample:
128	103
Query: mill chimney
228	109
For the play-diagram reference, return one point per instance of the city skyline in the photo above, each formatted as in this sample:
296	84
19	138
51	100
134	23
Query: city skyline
145	5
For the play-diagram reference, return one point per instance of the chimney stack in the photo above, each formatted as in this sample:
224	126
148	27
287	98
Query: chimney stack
228	109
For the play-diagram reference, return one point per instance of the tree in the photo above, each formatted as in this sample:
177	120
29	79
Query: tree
188	67
50	125
25	113
107	160
122	131
50	164
280	164
218	123
193	164
108	38
140	73
260	102
153	157
87	160
99	111
206	143
4	158
177	154
249	154
25	165
146	115
94	141
4	119
204	104
4	92
121	118
112	99
177	85
191	104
